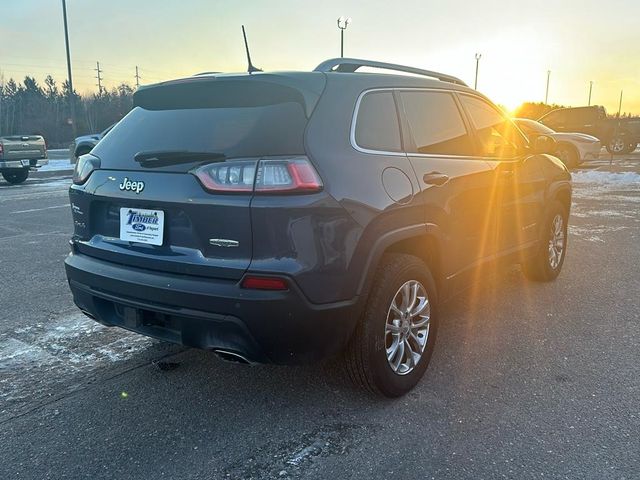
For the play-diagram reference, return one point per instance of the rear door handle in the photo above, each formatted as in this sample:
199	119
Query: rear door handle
435	178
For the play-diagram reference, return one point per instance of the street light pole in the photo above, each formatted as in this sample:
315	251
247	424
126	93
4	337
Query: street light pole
590	90
70	79
343	23
546	95
478	57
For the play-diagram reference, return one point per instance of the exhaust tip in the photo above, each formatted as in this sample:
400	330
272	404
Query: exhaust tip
232	356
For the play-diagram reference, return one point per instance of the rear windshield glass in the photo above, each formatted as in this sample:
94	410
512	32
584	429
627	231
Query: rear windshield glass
264	127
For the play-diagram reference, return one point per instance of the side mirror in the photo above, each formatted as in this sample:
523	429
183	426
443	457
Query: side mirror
544	144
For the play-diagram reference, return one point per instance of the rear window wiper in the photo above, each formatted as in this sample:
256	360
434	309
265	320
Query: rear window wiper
163	158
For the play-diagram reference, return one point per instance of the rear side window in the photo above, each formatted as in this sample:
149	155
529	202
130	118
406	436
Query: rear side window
499	138
377	123
436	124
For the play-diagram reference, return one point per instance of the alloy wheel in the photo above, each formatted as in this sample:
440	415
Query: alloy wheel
617	145
556	241
407	327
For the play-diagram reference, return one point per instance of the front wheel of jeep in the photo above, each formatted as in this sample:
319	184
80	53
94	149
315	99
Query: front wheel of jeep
393	341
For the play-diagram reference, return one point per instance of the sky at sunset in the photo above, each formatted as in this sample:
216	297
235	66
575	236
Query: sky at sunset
578	40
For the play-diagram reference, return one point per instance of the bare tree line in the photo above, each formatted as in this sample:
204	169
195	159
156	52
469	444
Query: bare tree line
30	108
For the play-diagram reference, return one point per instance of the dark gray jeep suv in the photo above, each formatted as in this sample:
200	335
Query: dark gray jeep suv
287	217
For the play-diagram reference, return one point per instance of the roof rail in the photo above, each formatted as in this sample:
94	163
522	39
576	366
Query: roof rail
350	65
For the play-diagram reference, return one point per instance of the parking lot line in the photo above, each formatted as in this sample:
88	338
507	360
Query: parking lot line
39	209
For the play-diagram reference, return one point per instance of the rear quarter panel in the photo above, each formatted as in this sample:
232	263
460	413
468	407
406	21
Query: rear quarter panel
352	180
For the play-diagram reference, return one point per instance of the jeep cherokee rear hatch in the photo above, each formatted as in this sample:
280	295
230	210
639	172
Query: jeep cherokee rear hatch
170	187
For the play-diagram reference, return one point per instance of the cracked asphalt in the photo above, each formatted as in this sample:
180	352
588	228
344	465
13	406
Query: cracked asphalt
527	380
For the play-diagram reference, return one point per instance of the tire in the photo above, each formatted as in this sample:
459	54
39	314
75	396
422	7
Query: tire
568	155
617	144
14	177
545	265
631	147
378	331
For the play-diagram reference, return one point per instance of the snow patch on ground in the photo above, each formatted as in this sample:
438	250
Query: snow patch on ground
14	353
593	233
57	165
607	178
614	188
608	213
44	353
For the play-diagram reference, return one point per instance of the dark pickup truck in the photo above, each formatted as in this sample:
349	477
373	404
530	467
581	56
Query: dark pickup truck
619	135
19	154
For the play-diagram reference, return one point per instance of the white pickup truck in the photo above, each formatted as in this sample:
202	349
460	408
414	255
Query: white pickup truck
19	154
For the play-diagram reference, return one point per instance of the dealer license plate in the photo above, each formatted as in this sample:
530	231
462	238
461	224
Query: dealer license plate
141	225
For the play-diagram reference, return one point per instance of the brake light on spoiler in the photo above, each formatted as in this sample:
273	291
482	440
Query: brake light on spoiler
275	175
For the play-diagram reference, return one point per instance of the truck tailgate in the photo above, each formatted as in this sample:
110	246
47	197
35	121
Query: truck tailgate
18	147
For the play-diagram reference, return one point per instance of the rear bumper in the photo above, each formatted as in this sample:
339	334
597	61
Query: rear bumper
27	163
211	314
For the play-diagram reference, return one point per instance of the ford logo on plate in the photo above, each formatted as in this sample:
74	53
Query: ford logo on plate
138	227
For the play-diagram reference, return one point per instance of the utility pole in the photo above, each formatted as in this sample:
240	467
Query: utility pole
590	90
99	77
72	109
137	78
343	23
620	104
616	130
546	95
1	95
478	57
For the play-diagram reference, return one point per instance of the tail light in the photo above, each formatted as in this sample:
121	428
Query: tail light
279	175
235	176
85	166
1	149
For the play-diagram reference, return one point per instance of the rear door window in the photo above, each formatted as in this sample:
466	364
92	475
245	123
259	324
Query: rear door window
377	125
435	124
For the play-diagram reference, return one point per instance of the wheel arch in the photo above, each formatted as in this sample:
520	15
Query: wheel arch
422	241
570	146
83	146
563	194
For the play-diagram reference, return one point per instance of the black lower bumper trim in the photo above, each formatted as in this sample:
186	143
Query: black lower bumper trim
262	326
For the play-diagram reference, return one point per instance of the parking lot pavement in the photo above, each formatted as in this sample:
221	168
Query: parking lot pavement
527	380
